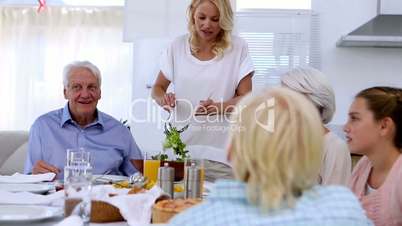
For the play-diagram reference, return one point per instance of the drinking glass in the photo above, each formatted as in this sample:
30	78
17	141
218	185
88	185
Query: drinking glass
78	156
78	163
151	168
77	184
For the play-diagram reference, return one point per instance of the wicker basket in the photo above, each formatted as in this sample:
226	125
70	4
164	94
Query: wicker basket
161	214
101	212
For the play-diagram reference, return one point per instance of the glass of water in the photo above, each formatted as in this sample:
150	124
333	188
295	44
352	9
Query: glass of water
76	156
77	184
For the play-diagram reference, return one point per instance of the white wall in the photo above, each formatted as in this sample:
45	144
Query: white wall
391	7
150	26
352	69
146	116
154	18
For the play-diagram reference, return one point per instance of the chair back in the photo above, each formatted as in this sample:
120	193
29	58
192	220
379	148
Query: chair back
13	151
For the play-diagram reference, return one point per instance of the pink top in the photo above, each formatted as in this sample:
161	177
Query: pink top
383	205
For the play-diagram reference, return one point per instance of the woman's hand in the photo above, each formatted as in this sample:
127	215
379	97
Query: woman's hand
168	101
209	107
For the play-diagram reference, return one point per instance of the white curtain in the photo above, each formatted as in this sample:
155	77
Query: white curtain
34	48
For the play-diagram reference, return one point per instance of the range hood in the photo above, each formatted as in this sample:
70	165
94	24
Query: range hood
384	30
381	31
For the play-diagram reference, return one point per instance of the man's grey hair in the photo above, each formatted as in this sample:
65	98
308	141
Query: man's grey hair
80	64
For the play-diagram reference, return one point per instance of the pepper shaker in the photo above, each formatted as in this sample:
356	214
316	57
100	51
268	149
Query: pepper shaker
192	182
166	178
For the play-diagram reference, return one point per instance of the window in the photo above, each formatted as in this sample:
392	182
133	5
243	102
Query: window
65	2
273	4
37	47
278	39
94	3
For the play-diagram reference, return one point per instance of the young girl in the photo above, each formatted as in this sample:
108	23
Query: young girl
374	129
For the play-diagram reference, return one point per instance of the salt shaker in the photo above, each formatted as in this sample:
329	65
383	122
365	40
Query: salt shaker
192	182
166	178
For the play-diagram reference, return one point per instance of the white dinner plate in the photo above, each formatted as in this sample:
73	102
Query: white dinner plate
17	213
107	178
34	188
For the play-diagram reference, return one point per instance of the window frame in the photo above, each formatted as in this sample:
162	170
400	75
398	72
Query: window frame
248	9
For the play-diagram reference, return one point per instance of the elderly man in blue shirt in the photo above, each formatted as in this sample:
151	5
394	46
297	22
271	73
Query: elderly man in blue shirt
81	124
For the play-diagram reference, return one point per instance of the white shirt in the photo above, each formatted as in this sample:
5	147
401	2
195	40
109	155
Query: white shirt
337	164
370	189
195	80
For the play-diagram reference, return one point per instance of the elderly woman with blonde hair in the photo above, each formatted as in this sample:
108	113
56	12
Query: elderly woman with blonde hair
276	147
337	163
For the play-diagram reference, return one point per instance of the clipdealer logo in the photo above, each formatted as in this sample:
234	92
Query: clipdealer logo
269	125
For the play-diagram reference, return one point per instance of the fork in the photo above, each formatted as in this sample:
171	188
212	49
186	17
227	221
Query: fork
104	174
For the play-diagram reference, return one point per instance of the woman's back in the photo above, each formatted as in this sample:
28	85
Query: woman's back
227	205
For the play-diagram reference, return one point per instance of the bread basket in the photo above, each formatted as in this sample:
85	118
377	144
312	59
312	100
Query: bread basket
164	210
101	212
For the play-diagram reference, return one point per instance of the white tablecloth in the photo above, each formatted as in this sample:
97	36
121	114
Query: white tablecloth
52	222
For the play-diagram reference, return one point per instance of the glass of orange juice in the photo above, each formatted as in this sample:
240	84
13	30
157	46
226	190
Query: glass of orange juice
151	167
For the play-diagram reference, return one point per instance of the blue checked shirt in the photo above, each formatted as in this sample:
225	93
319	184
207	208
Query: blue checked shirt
110	143
227	205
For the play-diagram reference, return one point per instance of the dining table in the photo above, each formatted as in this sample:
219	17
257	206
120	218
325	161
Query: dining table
50	189
55	221
29	197
58	219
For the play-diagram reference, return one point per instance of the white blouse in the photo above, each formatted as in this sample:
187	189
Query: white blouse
195	80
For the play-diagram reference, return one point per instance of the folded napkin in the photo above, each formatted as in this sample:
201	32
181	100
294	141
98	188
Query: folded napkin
135	208
72	220
30	198
18	178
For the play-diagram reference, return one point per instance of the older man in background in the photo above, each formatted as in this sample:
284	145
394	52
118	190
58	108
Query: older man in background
81	124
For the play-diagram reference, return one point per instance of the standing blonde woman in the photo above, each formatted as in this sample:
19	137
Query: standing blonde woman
336	165
276	147
374	129
210	70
